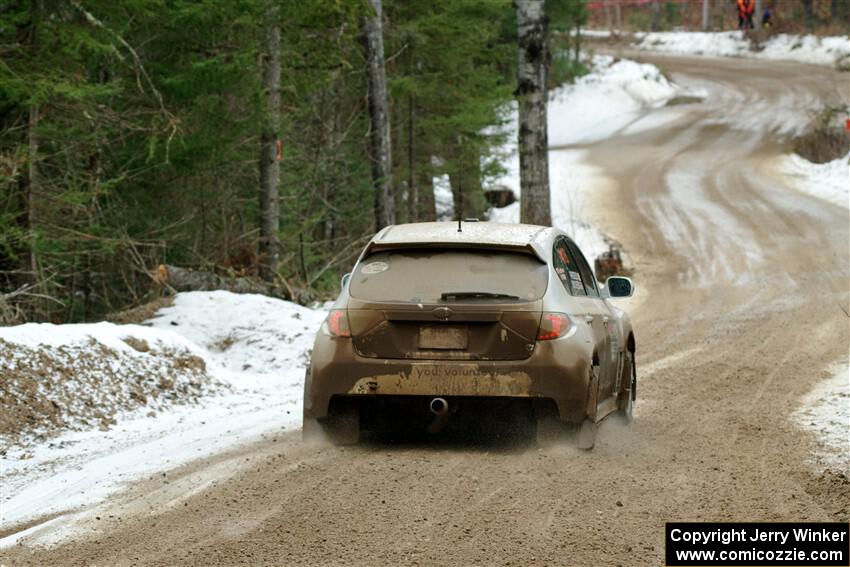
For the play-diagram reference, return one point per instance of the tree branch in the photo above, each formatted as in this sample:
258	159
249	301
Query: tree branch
140	68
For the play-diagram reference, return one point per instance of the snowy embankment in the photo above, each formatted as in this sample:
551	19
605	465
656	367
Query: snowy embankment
241	376
75	377
828	181
811	49
611	99
825	411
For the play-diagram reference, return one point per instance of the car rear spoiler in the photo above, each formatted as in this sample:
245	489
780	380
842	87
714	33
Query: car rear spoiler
448	245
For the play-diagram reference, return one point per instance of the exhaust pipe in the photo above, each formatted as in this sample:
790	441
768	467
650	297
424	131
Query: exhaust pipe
440	408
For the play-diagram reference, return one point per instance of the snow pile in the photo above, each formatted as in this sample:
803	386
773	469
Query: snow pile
599	105
250	351
781	47
599	34
825	411
59	377
602	102
253	340
828	181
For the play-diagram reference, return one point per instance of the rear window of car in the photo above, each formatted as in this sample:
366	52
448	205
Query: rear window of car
431	276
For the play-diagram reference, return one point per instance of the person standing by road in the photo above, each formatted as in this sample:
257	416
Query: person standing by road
745	13
765	18
751	8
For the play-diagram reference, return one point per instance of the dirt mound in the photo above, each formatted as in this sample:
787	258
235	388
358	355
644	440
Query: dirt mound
823	145
46	389
828	138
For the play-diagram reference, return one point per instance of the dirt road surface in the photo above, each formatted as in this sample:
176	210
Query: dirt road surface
743	284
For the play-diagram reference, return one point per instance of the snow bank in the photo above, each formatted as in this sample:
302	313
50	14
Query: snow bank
609	100
255	341
825	411
828	181
781	47
602	102
62	377
253	347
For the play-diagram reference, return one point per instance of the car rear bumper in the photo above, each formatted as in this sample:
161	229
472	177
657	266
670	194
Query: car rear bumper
557	370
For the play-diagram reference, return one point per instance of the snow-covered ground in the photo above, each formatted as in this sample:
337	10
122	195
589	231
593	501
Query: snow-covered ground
781	47
828	181
256	346
613	98
825	411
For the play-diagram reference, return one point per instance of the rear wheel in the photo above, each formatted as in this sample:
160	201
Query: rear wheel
340	427
586	437
586	434
626	400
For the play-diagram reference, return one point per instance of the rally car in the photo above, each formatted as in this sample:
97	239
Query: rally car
443	321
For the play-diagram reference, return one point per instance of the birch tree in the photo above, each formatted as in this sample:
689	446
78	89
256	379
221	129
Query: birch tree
269	249
531	94
379	134
706	13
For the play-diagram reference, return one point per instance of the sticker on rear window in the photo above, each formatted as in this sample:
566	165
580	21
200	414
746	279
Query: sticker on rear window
374	268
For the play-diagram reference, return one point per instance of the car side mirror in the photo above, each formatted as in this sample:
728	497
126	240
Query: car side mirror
619	286
344	280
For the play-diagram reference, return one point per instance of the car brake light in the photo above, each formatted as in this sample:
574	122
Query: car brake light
338	323
553	326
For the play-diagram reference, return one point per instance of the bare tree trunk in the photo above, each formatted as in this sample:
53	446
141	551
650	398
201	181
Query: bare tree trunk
619	16
839	11
32	189
577	46
32	185
428	209
269	249
655	21
809	13
757	15
412	186
531	95
706	14
608	19
379	139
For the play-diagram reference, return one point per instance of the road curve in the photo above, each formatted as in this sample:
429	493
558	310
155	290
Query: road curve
744	281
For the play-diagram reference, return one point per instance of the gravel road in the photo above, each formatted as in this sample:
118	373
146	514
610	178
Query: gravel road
743	283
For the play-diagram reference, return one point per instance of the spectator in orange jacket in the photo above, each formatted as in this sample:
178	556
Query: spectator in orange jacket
746	8
751	8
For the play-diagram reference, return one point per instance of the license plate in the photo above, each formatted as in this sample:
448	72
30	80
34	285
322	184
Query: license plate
447	338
